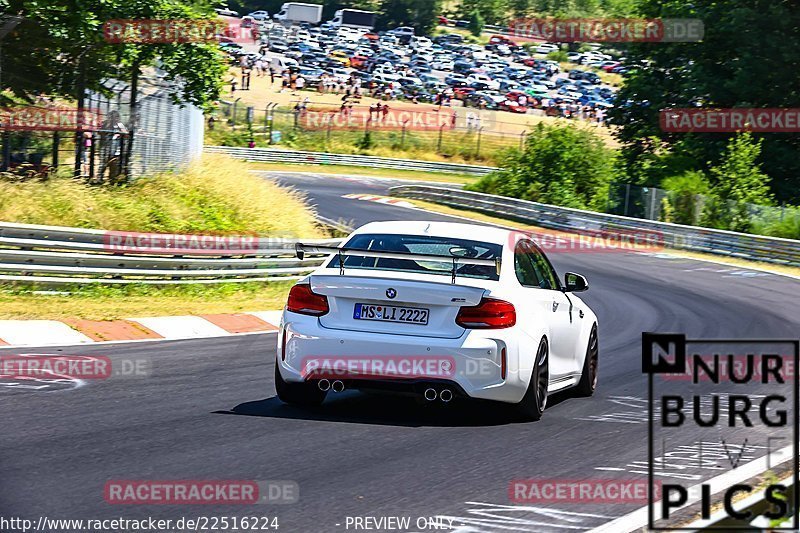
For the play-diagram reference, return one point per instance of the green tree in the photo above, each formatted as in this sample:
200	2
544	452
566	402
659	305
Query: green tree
476	23
740	62
59	49
738	184
492	11
561	165
419	14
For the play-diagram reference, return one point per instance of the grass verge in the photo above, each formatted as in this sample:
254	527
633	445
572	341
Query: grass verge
109	303
217	195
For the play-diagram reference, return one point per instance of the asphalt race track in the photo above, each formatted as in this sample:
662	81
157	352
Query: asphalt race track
207	410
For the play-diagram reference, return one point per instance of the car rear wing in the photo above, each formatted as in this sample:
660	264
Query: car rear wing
302	249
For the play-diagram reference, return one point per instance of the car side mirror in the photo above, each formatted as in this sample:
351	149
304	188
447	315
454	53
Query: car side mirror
575	282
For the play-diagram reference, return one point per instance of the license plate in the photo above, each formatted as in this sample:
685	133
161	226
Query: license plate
391	313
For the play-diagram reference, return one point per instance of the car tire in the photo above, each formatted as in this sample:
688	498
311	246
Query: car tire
534	402
588	383
302	394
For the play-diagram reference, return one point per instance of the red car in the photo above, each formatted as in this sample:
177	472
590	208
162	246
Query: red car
443	21
501	39
461	93
514	102
358	62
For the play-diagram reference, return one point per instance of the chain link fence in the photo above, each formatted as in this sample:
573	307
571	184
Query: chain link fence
653	203
162	135
464	133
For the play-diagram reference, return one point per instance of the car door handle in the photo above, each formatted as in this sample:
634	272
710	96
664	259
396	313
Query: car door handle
555	306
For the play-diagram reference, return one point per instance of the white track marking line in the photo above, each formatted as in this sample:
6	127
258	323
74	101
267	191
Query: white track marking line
40	333
181	327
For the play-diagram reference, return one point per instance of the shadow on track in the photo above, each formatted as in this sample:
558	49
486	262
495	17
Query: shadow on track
385	410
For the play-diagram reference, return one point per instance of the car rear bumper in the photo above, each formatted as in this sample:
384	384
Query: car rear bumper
472	363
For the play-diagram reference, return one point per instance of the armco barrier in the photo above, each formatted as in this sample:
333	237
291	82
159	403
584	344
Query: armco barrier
59	255
268	155
729	243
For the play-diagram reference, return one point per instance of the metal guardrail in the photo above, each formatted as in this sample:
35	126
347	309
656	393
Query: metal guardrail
268	155
62	255
692	238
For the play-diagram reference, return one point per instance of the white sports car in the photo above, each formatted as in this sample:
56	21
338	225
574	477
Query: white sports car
438	310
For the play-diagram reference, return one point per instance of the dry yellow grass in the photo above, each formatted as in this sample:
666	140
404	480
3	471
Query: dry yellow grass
216	195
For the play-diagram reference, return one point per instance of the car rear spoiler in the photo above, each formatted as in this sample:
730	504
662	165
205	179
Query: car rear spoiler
302	249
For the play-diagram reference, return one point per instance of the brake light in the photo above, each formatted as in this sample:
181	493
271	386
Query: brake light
306	302
491	313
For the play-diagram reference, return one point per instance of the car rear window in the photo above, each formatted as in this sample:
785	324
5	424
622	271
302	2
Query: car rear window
421	244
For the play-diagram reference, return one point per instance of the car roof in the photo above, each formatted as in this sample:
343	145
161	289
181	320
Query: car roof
473	232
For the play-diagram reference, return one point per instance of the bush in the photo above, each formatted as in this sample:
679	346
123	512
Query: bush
561	164
558	55
476	23
738	181
684	199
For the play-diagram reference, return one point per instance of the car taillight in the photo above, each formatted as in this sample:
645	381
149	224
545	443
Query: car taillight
306	302
491	313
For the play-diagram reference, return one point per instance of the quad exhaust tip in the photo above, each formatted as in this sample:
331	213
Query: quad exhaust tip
446	395
430	394
337	386
324	385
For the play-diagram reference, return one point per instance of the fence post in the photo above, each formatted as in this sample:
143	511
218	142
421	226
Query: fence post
627	196
266	119
522	140
6	151
478	144
92	154
330	124
654	195
439	144
232	121
56	140
403	135
271	120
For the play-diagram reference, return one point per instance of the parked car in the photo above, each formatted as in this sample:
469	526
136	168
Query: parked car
226	12
546	48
